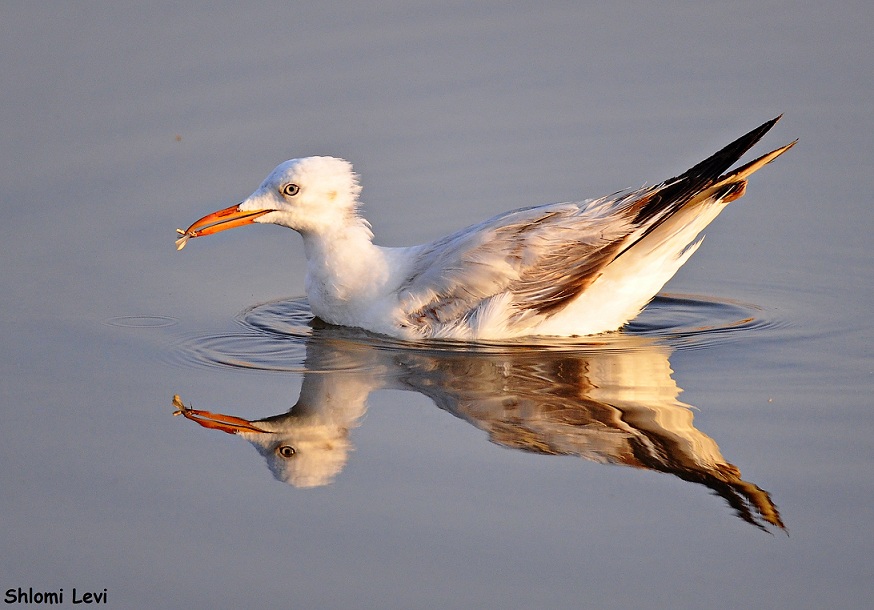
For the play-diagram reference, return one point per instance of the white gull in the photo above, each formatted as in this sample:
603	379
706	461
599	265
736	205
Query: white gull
563	269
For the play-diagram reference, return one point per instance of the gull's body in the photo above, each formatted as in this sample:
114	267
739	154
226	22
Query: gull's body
564	269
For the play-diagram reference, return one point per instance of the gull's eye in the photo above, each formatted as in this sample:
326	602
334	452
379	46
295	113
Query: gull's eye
289	190
285	451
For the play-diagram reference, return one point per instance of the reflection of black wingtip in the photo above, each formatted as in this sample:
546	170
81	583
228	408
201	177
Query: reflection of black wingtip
749	501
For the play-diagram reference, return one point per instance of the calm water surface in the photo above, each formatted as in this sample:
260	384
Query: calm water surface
609	399
717	452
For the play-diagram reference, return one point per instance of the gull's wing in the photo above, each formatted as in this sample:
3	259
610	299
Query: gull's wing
534	261
537	255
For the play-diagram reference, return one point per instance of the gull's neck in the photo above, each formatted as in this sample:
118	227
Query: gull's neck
345	270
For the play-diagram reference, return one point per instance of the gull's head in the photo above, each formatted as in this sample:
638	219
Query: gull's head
307	195
302	194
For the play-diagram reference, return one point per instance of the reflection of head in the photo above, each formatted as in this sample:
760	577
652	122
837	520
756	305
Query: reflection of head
309	445
308	455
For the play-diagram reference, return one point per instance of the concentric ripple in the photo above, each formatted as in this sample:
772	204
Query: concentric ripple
686	321
274	335
141	321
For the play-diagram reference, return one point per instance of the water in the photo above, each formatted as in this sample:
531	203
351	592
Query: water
715	453
273	336
608	399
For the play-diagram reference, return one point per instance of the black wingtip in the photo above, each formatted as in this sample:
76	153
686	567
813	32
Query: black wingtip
715	165
682	188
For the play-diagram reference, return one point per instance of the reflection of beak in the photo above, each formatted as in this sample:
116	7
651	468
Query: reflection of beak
216	421
229	218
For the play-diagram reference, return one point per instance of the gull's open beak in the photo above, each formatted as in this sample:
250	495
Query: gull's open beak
216	421
222	220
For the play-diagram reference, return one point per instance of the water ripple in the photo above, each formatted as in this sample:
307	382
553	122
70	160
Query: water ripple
141	321
273	335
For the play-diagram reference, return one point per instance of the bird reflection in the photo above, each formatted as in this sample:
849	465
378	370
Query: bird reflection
616	405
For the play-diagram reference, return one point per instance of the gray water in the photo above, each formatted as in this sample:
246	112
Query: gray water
716	453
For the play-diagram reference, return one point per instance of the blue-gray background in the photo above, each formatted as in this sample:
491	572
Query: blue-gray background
122	121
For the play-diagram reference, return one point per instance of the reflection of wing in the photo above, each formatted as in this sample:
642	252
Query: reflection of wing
616	407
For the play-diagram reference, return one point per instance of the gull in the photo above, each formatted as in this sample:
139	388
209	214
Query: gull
561	269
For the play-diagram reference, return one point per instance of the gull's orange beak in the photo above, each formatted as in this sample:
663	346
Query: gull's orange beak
229	218
215	421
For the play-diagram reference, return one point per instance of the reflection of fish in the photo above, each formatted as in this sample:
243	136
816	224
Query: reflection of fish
561	269
615	406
